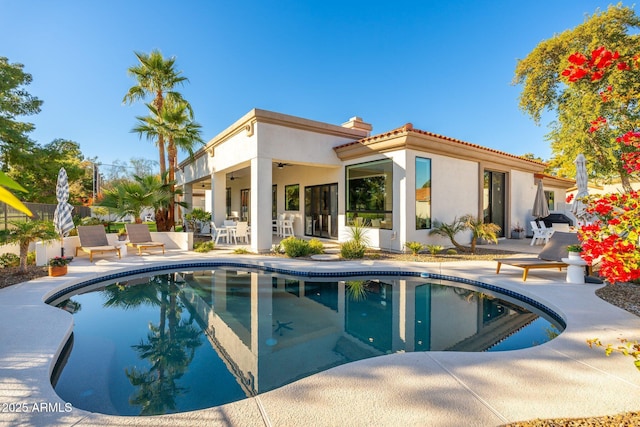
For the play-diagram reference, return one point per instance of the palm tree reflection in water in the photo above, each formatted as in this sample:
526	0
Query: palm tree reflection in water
169	347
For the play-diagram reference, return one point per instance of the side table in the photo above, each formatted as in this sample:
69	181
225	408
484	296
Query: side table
122	245
575	269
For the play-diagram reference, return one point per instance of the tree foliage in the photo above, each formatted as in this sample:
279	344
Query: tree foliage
38	169
545	89
15	102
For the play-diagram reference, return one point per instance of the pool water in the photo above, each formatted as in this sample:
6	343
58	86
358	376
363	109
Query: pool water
183	340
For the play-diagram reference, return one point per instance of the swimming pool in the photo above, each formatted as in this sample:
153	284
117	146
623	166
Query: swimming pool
190	338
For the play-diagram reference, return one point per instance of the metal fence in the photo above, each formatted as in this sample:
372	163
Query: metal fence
41	211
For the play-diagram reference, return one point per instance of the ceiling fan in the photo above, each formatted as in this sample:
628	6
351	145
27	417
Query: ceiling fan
231	178
282	165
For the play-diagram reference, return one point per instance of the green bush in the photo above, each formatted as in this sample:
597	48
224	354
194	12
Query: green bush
414	247
241	251
203	246
352	249
452	252
434	249
315	247
295	247
9	260
31	258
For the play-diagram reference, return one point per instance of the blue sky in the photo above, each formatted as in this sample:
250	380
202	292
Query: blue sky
444	66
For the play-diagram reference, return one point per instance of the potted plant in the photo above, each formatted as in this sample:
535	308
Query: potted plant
518	232
58	265
574	251
122	234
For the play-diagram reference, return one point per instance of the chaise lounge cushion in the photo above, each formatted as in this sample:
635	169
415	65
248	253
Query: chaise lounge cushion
93	240
549	257
140	238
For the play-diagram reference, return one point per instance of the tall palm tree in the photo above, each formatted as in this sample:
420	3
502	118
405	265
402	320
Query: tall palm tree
176	126
157	77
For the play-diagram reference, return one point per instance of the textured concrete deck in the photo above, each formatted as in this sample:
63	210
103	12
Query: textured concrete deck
562	378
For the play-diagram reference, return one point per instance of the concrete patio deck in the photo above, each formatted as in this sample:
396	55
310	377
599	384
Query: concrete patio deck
562	378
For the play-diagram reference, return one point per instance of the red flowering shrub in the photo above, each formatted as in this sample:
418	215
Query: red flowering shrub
613	239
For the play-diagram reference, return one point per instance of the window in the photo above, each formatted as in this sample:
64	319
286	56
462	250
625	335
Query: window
274	201
550	196
423	193
370	194
292	197
228	201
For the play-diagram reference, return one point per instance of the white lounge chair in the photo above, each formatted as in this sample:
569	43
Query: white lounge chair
540	236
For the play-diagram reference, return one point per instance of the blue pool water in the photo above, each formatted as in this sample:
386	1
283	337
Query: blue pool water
174	341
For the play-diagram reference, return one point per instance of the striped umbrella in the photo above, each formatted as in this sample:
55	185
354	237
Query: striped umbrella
62	219
578	206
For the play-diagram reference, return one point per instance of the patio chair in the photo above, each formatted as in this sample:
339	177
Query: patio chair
549	257
140	238
217	233
93	240
242	231
540	234
286	227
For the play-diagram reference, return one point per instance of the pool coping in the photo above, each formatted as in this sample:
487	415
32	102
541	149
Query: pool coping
562	378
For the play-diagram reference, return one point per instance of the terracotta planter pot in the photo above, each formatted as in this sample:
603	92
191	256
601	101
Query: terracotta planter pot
57	271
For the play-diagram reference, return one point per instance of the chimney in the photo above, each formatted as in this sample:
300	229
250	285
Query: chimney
357	123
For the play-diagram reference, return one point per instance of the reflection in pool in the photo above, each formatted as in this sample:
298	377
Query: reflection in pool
184	340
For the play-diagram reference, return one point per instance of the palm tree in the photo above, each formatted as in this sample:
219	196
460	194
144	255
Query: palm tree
175	125
480	230
24	233
449	230
156	77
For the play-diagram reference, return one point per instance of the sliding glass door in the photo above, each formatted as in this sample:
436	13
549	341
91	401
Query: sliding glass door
321	211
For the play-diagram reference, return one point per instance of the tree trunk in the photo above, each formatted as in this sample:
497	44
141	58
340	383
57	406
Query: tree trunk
161	220
24	250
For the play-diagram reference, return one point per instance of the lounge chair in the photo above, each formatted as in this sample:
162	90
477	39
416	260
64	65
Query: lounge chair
550	256
140	238
93	240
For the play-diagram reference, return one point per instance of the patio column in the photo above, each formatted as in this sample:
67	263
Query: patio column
261	180
187	197
218	197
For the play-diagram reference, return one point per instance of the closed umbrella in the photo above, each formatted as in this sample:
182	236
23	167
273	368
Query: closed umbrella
540	206
579	207
62	219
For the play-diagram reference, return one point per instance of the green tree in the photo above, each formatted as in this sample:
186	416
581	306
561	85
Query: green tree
26	232
39	168
15	101
176	126
156	77
544	88
131	197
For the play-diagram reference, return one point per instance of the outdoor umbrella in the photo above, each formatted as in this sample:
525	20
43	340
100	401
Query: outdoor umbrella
540	206
578	207
62	219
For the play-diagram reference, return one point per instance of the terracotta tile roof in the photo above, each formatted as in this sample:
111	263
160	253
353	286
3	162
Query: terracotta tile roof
407	128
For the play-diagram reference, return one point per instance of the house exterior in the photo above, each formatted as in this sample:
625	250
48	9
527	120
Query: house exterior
327	177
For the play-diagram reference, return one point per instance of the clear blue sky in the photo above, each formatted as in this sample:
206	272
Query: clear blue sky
445	66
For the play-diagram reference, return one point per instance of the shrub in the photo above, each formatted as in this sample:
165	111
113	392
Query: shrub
9	260
31	258
241	251
295	247
277	249
435	249
414	247
452	252
203	246
352	249
315	247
